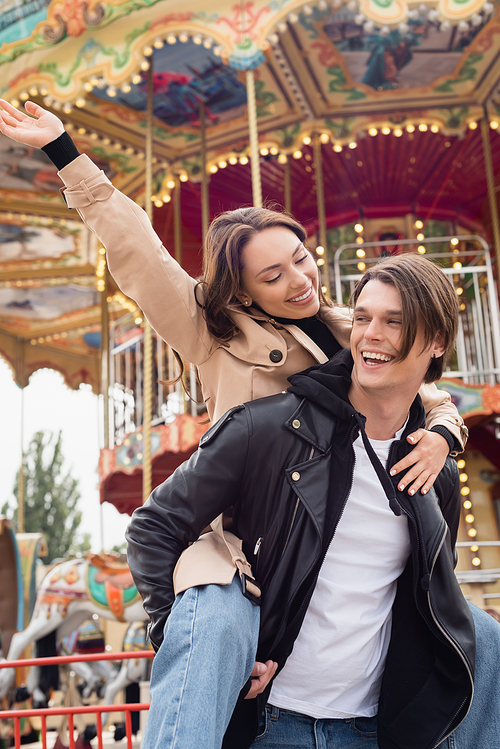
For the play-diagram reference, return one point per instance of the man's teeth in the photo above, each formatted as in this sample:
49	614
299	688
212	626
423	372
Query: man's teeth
372	355
300	298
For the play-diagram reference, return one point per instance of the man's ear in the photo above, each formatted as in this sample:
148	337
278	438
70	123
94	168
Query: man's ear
438	347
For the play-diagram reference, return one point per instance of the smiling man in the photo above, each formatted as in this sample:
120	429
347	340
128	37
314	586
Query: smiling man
373	640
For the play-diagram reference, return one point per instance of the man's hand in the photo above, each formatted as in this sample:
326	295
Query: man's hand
427	459
261	676
28	130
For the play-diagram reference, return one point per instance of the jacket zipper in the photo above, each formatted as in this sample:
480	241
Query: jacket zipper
313	584
454	644
297	503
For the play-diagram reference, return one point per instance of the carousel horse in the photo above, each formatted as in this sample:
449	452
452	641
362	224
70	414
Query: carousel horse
69	594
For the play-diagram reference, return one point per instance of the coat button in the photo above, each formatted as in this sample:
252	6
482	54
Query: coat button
276	355
296	423
295	476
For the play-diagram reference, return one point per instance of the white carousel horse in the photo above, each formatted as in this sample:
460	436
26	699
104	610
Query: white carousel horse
69	594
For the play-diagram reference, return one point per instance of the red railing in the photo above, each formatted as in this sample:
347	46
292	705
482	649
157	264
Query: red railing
98	710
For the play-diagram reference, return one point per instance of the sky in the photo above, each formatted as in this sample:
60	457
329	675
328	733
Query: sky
50	405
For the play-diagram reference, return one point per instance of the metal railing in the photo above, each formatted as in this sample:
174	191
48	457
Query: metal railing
127	384
71	711
468	266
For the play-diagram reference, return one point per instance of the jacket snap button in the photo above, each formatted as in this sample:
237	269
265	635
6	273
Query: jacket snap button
276	355
296	423
295	476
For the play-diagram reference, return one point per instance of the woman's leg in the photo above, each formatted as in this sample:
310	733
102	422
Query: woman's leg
480	729
206	658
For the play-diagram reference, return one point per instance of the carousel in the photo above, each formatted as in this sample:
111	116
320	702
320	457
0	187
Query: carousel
375	122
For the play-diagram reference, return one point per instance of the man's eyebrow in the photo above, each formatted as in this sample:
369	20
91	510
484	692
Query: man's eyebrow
277	265
388	312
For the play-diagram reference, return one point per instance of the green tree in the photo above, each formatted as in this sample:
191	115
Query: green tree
51	498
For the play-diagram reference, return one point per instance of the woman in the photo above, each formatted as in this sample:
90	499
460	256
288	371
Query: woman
258	317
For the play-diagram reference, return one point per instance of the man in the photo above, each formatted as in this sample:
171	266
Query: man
361	610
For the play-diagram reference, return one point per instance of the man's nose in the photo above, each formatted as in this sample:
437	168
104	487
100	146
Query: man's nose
374	330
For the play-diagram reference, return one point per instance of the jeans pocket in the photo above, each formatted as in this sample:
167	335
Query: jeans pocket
366	727
264	725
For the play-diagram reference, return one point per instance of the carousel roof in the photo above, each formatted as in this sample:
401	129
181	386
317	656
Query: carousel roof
393	90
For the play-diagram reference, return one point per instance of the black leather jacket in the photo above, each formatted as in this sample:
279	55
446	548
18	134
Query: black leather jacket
273	460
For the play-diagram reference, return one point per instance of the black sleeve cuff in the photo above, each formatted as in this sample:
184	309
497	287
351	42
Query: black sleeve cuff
61	151
453	443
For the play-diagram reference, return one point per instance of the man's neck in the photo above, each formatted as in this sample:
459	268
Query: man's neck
385	413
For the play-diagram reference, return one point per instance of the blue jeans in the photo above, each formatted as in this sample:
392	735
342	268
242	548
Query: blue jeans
285	729
208	654
206	658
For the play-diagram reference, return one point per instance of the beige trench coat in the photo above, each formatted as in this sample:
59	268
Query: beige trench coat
259	358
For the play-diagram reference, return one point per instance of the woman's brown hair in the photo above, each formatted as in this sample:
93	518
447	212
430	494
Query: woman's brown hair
226	239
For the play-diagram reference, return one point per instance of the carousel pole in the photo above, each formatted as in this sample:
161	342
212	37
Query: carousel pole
254	140
205	208
490	181
320	202
104	374
20	485
287	186
177	221
148	343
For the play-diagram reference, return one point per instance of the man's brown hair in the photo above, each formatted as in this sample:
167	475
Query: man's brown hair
427	296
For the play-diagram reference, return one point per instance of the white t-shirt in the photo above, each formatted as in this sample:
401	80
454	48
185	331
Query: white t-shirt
338	659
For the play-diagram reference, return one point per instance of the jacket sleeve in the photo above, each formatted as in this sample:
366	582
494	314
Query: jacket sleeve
439	409
180	508
137	260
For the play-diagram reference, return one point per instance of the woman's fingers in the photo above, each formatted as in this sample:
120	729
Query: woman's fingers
424	462
12	111
26	129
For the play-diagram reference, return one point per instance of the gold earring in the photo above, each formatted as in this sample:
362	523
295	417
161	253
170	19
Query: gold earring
246	302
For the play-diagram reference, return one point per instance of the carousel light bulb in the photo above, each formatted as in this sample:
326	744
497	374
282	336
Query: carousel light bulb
461	463
183	37
44	90
473	125
421	249
15	102
467	504
214	169
361	266
474	548
353	144
476	561
147	51
463	477
324	289
158	203
293	18
136	79
167	198
457	265
125	88
472	532
410	128
273	151
93	136
282	158
398	132
24	96
80	103
144	65
420	237
322	5
359	240
67	108
158	43
81	131
358	227
320	261
282	27
218	51
469	518
418	224
324	138
307	10
171	39
243	160
129	150
360	253
306	140
494	124
208	42
372	131
465	491
460	291
386	130
320	250
337	148
222	164
454	241
264	151
297	154
33	91
106	141
422	127
233	160
434	129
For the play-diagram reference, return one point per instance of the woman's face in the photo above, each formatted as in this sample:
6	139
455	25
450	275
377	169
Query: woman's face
280	275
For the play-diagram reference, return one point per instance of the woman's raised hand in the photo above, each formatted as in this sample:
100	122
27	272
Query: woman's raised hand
28	130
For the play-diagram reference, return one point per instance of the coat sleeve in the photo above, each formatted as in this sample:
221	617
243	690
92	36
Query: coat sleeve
137	260
180	508
448	490
439	409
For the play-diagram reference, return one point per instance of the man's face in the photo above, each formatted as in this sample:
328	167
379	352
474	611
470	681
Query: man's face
375	342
